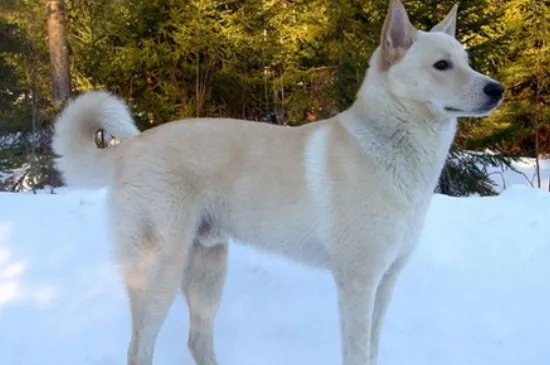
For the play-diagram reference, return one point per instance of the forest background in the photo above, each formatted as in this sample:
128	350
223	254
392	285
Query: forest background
286	62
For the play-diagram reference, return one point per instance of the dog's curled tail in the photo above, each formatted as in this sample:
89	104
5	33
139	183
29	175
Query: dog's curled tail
80	161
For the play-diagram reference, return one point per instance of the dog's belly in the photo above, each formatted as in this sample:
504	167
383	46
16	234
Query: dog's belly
310	254
296	240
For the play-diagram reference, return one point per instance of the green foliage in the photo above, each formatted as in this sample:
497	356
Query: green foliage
287	61
22	48
467	173
527	74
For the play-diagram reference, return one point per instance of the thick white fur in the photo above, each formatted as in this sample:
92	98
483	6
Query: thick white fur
317	175
83	164
348	194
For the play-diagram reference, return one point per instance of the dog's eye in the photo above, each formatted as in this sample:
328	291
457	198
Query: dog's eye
442	65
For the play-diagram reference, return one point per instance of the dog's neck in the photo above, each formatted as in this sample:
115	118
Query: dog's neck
409	139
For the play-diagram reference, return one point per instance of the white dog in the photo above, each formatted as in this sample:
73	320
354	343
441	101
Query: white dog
348	194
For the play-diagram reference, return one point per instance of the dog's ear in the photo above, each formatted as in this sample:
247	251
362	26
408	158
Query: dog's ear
447	25
397	33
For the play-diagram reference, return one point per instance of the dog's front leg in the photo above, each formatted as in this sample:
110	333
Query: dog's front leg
384	294
356	289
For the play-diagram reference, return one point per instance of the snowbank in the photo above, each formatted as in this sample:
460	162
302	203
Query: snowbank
476	292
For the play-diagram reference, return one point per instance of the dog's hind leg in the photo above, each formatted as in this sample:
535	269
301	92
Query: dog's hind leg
203	282
383	298
153	267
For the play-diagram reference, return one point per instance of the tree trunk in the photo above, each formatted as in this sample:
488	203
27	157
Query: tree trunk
281	119
34	139
59	51
538	86
341	77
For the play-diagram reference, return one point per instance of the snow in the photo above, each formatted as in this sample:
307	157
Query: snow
476	291
526	174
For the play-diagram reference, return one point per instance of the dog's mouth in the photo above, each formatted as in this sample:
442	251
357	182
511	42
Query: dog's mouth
487	108
451	109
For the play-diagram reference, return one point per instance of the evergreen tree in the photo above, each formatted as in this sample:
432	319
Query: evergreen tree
525	119
279	61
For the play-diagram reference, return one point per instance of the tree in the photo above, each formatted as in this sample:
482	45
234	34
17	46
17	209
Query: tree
25	153
59	51
282	61
527	114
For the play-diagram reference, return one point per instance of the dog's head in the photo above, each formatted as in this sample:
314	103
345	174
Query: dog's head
432	67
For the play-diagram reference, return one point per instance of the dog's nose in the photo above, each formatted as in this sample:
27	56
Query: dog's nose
494	90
